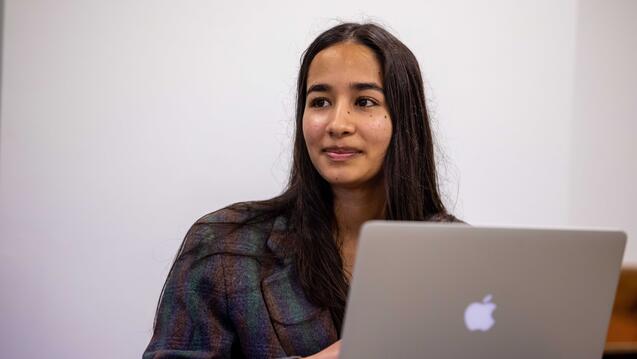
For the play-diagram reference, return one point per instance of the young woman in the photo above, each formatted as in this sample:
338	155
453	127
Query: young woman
270	279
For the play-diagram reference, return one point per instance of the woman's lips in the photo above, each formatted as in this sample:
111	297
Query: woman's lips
341	154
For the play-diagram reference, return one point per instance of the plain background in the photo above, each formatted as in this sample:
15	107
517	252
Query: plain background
122	122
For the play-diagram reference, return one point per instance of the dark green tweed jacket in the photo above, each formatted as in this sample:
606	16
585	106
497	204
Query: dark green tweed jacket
236	294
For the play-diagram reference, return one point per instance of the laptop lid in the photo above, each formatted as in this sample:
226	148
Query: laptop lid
455	291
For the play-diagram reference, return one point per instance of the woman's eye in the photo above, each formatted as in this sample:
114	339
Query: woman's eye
319	102
365	102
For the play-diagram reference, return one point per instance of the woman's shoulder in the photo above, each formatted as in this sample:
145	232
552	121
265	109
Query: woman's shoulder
445	218
240	229
236	213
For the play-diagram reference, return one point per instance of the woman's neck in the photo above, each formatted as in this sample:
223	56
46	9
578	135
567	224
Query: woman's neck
352	207
355	206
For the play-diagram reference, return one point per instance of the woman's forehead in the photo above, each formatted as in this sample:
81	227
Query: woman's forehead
343	64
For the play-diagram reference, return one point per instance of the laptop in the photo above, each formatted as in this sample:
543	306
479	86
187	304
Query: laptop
422	290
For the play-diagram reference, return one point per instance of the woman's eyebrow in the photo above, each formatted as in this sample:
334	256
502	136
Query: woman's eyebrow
360	86
319	88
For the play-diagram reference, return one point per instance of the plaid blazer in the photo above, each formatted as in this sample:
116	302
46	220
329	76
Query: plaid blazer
236	294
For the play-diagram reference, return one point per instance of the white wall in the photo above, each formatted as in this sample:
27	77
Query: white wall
604	156
122	122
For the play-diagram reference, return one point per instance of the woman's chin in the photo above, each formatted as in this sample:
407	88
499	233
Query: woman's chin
347	182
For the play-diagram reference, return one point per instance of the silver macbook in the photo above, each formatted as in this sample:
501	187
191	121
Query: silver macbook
453	291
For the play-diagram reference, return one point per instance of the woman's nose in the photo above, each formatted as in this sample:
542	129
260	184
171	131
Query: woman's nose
341	122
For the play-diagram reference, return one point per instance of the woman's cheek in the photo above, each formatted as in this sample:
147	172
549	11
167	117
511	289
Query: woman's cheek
312	129
381	130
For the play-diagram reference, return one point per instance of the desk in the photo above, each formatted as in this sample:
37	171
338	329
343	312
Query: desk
621	341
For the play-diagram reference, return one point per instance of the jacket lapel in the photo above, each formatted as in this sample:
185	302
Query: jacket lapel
301	327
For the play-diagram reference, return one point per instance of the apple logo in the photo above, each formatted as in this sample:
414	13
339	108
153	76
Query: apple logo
479	315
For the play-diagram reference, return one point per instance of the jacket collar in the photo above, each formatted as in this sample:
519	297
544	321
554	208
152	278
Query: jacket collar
279	240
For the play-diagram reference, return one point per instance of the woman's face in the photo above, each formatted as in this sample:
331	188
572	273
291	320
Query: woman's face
346	123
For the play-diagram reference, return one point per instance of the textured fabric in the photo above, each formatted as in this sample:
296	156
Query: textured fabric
235	294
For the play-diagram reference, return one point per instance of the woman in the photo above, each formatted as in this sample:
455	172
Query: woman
270	279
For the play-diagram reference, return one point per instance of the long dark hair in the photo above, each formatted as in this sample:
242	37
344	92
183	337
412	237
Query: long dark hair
409	170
